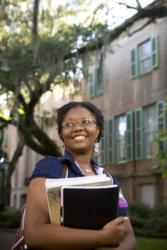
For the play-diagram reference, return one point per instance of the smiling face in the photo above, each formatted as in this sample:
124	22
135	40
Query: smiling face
79	130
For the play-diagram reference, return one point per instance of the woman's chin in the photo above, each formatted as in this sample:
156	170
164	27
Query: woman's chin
80	150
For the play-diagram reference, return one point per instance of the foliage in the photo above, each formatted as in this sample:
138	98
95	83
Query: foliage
35	55
147	221
10	218
161	138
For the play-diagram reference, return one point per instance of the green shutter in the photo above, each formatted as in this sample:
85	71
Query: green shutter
161	117
102	151
154	42
129	140
139	147
134	63
111	141
102	157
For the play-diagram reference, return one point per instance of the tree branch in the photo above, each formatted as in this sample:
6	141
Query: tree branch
17	153
151	12
43	144
139	7
35	37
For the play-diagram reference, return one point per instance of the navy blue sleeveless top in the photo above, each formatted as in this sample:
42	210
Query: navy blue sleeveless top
52	167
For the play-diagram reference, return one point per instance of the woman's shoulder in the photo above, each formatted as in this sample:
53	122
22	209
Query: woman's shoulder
47	161
48	167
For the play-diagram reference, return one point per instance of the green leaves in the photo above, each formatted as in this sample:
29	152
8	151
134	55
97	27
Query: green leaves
161	138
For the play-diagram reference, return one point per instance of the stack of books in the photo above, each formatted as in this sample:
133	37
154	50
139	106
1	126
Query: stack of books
87	202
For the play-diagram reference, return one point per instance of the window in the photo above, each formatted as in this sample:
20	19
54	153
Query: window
116	144
147	194
96	78
124	140
148	121
162	123
132	135
121	127
144	57
150	128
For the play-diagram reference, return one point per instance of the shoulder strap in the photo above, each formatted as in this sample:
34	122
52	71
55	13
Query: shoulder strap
109	175
65	169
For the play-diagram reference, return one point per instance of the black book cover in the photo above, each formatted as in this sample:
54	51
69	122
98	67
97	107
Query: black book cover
89	207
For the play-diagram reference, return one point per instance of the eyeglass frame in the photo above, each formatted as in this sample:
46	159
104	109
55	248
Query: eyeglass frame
66	124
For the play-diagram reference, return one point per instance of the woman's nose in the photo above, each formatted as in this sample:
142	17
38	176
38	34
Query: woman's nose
78	126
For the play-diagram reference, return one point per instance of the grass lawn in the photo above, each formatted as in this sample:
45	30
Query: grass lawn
151	244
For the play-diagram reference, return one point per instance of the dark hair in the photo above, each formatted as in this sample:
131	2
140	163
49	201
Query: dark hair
62	111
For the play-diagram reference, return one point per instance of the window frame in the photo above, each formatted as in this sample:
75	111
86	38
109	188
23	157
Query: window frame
135	57
97	78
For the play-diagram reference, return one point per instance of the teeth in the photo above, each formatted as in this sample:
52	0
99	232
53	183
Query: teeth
79	138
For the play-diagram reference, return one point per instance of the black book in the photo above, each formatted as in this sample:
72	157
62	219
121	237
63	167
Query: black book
89	207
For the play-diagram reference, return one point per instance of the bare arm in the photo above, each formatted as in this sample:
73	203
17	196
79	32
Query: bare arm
40	234
128	242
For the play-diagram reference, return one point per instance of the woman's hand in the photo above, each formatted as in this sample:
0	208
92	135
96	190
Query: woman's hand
114	231
128	241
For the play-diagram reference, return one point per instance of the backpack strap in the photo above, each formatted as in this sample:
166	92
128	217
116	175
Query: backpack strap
20	243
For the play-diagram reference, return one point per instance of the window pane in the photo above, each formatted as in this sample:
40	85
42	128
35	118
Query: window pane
145	49
150	127
120	138
147	63
145	57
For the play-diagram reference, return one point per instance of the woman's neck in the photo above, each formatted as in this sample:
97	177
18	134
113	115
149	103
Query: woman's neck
84	163
83	160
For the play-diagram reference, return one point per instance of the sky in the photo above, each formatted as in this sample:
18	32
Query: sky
118	13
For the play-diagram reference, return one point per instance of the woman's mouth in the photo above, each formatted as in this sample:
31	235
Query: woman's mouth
79	138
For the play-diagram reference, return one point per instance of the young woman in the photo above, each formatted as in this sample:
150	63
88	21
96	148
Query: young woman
80	126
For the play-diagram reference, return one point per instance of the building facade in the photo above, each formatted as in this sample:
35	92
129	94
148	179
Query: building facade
128	82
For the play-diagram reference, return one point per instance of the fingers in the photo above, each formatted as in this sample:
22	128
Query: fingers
118	221
115	230
121	220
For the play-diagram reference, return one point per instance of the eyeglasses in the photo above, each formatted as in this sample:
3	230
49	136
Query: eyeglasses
84	123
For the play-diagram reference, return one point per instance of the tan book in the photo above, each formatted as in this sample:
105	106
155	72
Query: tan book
53	190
